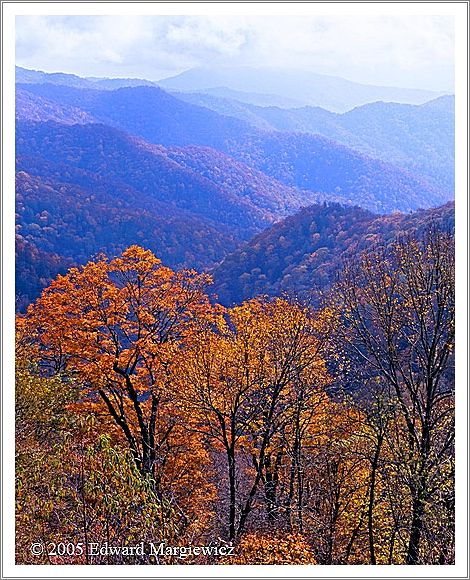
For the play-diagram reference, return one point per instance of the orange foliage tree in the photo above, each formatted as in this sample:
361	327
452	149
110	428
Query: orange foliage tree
117	327
246	383
142	409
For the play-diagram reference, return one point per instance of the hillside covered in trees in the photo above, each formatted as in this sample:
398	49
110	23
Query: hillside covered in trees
164	417
235	324
305	252
419	138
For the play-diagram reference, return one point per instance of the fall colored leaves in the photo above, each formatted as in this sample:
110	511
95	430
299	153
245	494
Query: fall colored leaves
146	412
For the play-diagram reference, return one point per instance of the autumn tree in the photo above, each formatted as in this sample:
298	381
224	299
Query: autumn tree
117	327
73	485
223	374
259	372
398	321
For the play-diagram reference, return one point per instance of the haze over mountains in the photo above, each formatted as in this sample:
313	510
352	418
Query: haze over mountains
306	161
267	86
376	129
330	92
104	163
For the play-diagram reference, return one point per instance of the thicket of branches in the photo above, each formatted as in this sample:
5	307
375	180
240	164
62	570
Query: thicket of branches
301	435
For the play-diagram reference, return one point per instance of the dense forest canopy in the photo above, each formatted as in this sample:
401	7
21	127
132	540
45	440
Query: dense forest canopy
242	421
304	252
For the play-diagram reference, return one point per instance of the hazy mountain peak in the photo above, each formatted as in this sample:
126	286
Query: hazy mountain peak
307	88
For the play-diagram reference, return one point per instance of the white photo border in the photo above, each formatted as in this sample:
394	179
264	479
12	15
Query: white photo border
9	10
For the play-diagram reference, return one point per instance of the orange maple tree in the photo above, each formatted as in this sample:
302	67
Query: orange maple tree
117	326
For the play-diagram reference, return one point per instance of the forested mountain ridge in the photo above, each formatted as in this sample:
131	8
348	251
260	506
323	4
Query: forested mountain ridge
316	163
419	138
261	193
62	224
306	251
148	112
217	177
200	180
84	189
29	76
31	107
298	160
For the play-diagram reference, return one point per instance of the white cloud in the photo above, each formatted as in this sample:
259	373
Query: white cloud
396	50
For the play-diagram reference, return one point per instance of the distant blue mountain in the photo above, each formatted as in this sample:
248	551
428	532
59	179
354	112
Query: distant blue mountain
202	181
32	107
330	92
419	138
257	99
28	76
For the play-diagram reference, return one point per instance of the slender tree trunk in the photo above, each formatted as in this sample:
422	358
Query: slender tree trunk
294	472
248	504
260	462
290	496
419	496
271	485
370	511
354	536
232	485
300	489
269	488
332	533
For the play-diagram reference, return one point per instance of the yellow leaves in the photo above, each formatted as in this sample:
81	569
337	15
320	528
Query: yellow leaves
206	389
73	481
40	401
272	549
136	257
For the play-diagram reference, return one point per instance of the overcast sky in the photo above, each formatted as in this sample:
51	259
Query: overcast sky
404	51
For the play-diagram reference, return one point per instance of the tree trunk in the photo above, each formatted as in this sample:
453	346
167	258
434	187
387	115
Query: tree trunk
416	529
232	486
370	511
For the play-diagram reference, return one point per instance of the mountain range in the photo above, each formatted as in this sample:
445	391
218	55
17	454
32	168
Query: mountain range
102	164
305	87
263	86
419	138
305	161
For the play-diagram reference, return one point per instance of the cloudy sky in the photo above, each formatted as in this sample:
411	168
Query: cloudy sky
404	51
